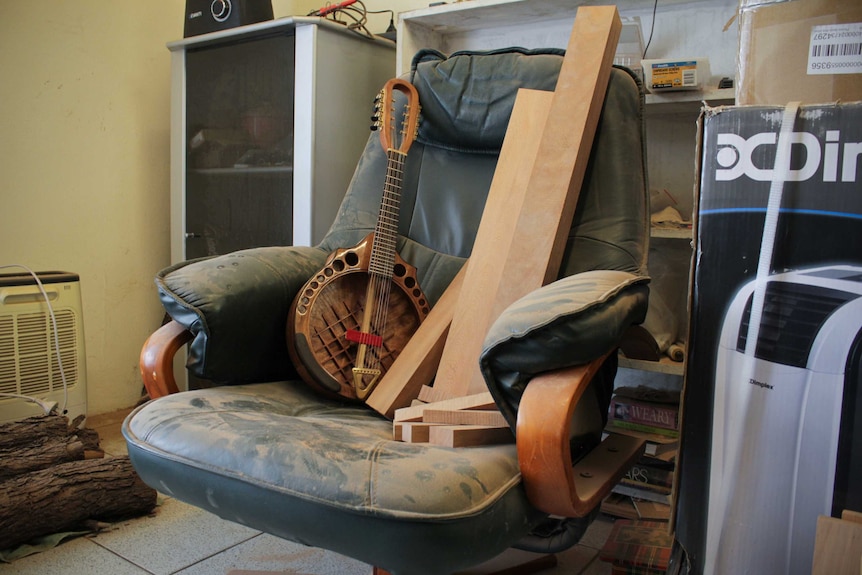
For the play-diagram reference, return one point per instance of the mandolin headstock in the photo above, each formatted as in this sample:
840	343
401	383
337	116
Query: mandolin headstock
396	133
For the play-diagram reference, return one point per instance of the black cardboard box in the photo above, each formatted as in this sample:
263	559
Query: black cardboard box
771	438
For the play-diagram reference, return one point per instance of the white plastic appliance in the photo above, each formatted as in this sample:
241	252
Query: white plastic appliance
777	417
28	349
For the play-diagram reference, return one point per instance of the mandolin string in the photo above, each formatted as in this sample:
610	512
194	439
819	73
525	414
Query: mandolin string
394	197
394	167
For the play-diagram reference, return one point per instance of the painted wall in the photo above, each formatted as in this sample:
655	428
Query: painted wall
84	165
84	162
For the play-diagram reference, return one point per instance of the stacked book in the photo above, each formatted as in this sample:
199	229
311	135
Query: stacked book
653	415
638	548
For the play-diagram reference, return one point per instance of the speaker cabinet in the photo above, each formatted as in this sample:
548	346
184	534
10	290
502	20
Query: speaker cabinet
203	16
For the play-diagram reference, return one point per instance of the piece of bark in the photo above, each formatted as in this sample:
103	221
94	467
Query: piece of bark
65	496
41	442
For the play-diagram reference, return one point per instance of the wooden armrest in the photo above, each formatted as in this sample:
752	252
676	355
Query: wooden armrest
552	483
157	358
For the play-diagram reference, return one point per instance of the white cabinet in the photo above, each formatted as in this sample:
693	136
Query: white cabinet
680	28
267	124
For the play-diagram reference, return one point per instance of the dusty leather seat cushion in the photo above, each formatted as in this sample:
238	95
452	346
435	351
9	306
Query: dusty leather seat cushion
287	439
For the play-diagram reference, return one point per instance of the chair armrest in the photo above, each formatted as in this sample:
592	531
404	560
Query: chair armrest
553	484
569	322
157	358
236	308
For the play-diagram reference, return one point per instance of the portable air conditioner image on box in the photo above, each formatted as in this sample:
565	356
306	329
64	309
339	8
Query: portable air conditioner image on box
777	418
28	350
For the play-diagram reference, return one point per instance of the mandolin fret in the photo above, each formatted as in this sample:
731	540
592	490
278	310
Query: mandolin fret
386	230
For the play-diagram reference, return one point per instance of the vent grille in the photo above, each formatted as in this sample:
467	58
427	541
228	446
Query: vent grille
792	317
28	357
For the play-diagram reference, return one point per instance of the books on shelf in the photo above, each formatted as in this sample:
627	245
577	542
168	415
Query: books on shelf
638	547
650	414
646	490
645	415
625	507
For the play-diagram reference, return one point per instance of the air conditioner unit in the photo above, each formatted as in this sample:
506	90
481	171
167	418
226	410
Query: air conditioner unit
28	350
784	431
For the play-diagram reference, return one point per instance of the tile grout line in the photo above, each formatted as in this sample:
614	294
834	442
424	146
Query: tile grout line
114	553
217	553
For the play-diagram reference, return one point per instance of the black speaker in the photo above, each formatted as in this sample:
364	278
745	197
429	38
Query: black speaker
204	16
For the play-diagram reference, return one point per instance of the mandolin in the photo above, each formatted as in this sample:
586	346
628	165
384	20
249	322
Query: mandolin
350	321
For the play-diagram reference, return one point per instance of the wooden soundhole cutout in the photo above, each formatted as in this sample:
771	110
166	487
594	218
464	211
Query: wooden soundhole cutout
330	310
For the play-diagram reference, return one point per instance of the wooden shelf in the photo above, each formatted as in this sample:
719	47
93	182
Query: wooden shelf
670	233
485	14
722	95
665	365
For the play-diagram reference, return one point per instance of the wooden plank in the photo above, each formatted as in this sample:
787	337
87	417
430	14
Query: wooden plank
469	435
426	394
527	217
476	401
837	547
417	363
471	318
852	516
464	417
412	431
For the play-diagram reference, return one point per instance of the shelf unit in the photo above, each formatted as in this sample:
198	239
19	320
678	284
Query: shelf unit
683	28
267	123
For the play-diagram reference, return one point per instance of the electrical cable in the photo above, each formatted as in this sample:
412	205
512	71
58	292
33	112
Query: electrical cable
356	12
651	28
47	406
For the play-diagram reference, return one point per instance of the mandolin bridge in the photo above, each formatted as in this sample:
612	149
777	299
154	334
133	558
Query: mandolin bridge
362	337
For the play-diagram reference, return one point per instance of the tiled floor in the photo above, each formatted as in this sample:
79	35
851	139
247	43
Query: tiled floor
184	540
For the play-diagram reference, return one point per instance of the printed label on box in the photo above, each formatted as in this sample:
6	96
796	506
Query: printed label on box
835	49
674	75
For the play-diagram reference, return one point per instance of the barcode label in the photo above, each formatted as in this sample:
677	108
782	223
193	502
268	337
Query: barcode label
835	49
689	78
825	50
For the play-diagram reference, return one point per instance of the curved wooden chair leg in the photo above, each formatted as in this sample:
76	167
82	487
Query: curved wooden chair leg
157	358
552	482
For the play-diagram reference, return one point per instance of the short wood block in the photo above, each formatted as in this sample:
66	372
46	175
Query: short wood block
465	417
469	435
412	431
476	401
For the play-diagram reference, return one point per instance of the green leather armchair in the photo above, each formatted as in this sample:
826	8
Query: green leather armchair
265	451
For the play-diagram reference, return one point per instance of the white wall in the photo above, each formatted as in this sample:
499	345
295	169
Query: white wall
84	162
84	165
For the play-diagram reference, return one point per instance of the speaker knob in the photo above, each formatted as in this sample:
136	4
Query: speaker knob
220	10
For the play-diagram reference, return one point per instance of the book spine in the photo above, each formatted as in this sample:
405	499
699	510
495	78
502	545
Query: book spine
639	493
650	475
653	415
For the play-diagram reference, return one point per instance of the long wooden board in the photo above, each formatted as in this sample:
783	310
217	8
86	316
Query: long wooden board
523	232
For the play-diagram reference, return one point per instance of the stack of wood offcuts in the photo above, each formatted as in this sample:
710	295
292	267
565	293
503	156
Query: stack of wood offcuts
458	422
54	478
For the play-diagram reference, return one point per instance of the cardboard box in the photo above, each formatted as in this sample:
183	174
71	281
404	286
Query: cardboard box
771	435
799	50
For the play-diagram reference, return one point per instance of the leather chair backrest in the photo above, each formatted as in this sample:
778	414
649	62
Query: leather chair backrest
466	100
